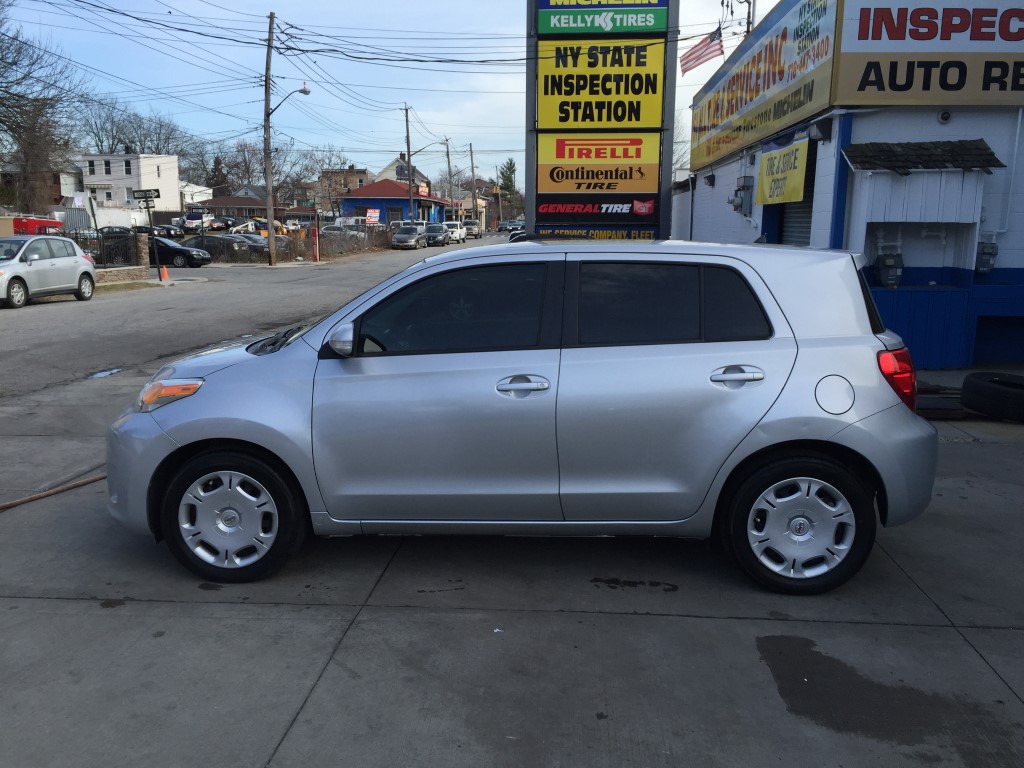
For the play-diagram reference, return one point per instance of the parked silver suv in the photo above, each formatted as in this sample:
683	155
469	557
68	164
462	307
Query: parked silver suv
676	389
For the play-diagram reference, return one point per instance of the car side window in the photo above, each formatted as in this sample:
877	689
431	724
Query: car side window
640	303
61	249
731	310
37	248
636	303
489	308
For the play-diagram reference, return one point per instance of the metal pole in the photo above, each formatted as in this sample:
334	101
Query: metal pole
497	181
472	171
408	163
448	154
271	244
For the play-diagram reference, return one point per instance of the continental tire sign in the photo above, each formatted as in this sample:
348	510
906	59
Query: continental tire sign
598	89
598	163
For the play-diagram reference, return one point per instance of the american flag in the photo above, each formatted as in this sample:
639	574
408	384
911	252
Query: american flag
705	50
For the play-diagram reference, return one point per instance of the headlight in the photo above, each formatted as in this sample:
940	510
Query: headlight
163	391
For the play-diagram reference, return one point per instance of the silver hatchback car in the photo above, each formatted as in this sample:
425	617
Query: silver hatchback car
43	265
674	389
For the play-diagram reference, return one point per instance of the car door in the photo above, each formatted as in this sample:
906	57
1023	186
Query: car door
66	263
446	409
41	273
667	367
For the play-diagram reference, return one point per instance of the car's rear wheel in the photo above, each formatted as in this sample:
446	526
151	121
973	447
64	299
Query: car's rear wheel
17	294
179	260
801	525
85	288
229	516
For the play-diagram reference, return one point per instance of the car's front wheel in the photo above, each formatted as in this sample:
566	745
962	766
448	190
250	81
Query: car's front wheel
179	260
232	517
801	525
17	294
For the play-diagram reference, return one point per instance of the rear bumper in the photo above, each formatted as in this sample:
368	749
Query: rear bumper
903	448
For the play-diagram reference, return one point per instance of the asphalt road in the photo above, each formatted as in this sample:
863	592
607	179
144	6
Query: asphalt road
475	651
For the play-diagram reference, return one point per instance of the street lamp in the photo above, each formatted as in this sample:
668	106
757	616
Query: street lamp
267	112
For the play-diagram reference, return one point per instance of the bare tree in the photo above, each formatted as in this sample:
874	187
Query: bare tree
102	125
35	119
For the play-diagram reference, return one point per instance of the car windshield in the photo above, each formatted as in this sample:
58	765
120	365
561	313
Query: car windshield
433	228
9	248
472	222
406	231
451	224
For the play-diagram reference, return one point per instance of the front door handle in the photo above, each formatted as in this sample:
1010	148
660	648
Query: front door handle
522	385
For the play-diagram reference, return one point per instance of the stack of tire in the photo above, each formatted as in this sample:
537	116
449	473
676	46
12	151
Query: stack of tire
999	395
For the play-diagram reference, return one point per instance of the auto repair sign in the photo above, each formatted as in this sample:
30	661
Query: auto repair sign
627	210
604	163
940	52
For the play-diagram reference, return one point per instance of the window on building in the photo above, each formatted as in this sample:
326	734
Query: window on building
128	194
106	167
92	167
158	171
128	167
360	182
92	192
108	195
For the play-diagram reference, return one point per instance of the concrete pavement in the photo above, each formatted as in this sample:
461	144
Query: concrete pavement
499	652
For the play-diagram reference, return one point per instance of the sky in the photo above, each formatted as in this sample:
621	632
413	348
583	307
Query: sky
457	64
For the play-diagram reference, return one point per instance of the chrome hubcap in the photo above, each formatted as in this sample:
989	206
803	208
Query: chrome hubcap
801	528
228	519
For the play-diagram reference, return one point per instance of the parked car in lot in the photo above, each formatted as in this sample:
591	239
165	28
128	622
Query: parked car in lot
348	234
164	251
438	234
473	228
457	230
409	236
674	388
257	243
219	246
170	230
115	230
32	267
504	225
218	224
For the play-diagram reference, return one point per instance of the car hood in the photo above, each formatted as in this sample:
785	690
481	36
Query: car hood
207	362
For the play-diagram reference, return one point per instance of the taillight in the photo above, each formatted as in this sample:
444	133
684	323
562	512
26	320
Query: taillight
898	369
89	258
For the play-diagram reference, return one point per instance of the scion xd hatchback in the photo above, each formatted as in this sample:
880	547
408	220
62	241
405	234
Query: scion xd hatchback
676	389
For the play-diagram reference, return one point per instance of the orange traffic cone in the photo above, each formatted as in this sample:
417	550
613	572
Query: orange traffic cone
163	273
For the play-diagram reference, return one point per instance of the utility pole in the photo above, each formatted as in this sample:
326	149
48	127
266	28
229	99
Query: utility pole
472	171
448	154
497	182
271	244
408	163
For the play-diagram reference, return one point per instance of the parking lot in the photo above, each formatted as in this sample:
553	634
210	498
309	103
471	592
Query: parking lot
478	651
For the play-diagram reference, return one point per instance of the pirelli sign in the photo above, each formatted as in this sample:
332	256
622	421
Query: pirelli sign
602	80
598	163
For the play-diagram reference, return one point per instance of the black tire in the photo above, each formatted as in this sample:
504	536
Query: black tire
215	540
179	260
1000	395
17	294
85	288
775	543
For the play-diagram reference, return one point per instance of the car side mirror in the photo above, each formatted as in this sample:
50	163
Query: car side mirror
342	340
30	257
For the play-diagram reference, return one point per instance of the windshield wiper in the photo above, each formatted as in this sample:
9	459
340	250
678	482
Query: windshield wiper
275	342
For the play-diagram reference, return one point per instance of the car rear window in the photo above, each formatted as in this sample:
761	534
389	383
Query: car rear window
731	310
877	326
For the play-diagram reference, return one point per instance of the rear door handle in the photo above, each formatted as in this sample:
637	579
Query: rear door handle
744	376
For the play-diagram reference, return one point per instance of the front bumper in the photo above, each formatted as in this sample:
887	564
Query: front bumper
135	448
